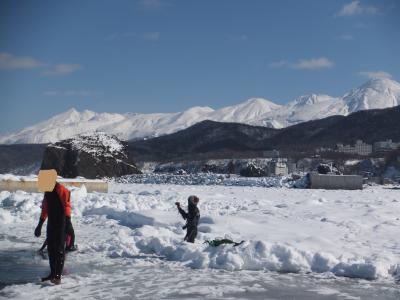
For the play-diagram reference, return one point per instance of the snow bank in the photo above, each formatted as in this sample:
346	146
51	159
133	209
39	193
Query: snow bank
251	255
33	177
13	177
19	206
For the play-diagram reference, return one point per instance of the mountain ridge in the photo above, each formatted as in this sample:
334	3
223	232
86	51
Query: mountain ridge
211	140
374	94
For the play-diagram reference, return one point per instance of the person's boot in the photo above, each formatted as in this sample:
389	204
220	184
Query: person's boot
56	279
59	265
71	248
52	268
49	277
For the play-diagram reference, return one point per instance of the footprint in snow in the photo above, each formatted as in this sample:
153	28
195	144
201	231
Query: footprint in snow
281	206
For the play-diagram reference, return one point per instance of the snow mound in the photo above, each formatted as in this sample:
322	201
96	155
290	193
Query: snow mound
252	255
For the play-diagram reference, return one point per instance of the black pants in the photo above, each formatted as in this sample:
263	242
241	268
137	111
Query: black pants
55	248
191	234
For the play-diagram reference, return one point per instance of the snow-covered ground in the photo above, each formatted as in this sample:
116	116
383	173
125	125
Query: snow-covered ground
299	244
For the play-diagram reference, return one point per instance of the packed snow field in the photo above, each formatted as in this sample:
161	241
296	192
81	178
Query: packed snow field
299	244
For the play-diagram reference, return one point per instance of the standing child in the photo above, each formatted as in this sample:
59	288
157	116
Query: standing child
192	218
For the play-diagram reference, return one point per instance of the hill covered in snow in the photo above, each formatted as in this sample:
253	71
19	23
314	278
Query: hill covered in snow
374	94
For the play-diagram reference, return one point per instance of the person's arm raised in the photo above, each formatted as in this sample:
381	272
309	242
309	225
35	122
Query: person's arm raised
181	211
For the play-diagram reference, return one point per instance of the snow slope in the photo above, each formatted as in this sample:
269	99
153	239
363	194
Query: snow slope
376	93
302	109
316	233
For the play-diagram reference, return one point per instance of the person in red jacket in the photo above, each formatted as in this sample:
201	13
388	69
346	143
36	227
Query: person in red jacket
56	207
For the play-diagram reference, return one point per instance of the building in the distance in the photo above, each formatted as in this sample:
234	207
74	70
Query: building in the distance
359	148
384	146
278	167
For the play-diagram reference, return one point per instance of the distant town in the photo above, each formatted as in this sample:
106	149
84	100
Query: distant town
364	149
378	155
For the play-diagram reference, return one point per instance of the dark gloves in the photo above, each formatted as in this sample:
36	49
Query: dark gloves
177	204
38	228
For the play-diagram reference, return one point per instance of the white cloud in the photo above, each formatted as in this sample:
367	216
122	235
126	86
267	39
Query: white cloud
51	93
239	38
375	74
71	93
346	37
313	63
117	36
9	61
279	64
149	36
306	64
63	69
153	5
356	8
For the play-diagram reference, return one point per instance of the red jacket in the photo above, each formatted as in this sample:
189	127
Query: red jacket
64	195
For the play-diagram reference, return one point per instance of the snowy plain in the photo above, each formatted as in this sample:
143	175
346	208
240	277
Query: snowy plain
299	244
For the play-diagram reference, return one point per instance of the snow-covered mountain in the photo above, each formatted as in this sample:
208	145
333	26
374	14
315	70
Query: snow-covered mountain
376	93
130	125
301	109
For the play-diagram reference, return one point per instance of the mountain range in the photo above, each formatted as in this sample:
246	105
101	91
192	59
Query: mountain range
209	139
377	93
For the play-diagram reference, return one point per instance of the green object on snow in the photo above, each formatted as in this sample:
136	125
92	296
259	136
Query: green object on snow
219	242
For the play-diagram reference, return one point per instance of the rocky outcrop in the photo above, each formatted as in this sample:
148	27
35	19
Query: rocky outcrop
252	170
93	155
244	167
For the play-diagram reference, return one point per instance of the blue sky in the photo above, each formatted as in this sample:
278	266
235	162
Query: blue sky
166	56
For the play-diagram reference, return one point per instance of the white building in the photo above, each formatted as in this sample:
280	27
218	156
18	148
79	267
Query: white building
362	148
359	148
387	145
279	167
